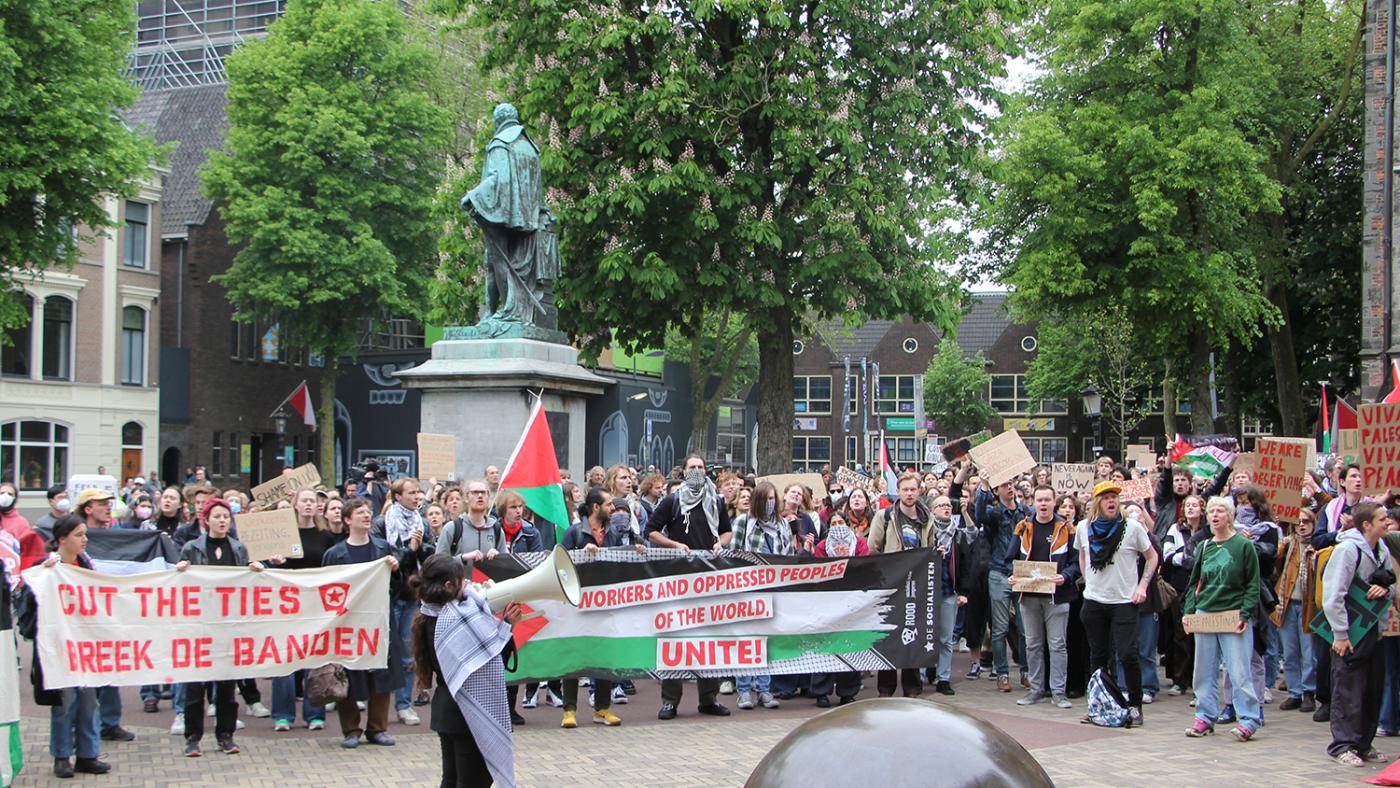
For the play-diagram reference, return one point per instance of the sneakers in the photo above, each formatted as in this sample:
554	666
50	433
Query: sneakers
1061	702
177	728
422	699
1177	689
1350	758
1149	697
714	710
745	700
944	688
1374	756
975	671
1242	732
606	717
1323	713
1309	704
260	711
316	725
211	709
1228	715
628	687
570	719
117	733
532	700
350	742
1134	717
1030	699
552	698
767	701
667	712
1004	683
238	725
619	696
962	646
409	717
282	726
381	738
1268	695
726	687
150	706
1199	729
823	702
227	747
63	768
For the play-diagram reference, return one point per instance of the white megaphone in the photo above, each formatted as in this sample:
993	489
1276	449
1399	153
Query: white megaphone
555	579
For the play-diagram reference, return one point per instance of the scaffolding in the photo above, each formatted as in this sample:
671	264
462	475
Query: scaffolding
183	43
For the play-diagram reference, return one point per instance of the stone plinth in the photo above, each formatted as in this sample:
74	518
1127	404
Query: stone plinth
481	391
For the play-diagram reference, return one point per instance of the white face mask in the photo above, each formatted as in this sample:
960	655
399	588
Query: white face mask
6	500
62	505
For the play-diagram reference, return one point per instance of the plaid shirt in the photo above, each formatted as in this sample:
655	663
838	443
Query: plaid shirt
750	536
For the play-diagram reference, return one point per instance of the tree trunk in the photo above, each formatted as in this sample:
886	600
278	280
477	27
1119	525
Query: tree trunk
1201	422
775	395
1286	379
1169	404
325	418
700	413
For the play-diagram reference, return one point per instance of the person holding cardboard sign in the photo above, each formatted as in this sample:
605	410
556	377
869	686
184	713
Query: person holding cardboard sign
1046	537
1225	576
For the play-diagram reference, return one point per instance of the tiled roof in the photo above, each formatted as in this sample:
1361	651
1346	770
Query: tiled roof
854	342
984	324
195	120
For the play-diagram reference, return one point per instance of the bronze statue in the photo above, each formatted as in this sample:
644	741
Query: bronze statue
522	245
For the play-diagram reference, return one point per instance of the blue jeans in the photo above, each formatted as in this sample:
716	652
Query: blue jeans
75	721
753	683
1147	655
109	702
947	619
402	623
284	702
1390	696
1273	654
788	682
999	592
1234	650
1299	667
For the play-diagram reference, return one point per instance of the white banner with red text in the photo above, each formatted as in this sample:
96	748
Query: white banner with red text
207	623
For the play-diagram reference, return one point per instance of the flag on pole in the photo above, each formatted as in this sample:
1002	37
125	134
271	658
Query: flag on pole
1326	424
891	478
300	400
533	471
1201	459
1343	418
1394	395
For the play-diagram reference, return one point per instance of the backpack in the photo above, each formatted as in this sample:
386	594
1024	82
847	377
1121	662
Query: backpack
1107	706
460	526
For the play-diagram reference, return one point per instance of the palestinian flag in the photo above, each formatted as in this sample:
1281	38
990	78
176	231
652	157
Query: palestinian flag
533	471
1204	457
682	616
126	551
11	751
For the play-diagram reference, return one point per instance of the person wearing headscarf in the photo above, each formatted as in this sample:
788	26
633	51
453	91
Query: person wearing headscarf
691	518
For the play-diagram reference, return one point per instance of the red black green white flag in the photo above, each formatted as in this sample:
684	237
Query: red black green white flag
533	471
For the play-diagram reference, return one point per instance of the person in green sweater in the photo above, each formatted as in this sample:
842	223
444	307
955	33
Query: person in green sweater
1225	576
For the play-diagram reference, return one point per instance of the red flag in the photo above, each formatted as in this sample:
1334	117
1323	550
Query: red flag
1394	395
1343	416
301	403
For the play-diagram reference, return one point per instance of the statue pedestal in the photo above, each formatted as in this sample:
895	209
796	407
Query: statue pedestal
481	391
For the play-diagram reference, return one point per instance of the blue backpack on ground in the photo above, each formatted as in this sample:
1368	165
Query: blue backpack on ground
1107	706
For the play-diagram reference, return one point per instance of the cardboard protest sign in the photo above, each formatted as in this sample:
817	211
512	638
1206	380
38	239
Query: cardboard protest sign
1224	621
437	456
269	533
959	447
1245	462
1034	577
1141	455
813	482
850	480
207	623
1349	446
1380	447
1002	458
1309	449
1280	474
1138	489
1071	478
267	494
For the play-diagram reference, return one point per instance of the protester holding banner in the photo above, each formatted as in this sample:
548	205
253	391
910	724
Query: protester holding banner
1358	670
1046	537
763	530
955	583
1293	613
95	507
905	526
375	687
997	513
170	511
458	646
621	484
73	719
1225	577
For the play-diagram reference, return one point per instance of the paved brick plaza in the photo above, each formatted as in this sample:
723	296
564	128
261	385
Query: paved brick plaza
1289	750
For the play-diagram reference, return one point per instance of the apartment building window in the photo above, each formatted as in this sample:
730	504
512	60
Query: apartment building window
904	452
14	352
811	394
1007	395
235	465
137	251
57	339
1046	450
134	346
810	451
216	455
33	454
895	394
852	451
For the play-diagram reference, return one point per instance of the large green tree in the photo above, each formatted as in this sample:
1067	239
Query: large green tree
1129	176
63	146
720	349
334	149
784	158
955	391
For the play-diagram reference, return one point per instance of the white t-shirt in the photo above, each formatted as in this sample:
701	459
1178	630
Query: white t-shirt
1115	584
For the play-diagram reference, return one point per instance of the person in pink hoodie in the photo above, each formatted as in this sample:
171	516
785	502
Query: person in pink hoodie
13	523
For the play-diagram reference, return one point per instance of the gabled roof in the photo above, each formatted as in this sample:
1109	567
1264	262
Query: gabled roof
984	324
854	342
195	119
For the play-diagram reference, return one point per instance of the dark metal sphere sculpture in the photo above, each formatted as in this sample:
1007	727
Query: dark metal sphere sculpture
897	742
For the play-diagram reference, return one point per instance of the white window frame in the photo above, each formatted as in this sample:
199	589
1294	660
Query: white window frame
878	406
145	346
17	445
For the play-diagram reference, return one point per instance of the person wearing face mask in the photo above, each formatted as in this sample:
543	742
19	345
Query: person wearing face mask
31	544
58	506
140	514
761	530
692	518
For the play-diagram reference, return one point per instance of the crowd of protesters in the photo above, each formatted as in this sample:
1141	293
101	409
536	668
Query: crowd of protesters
1127	572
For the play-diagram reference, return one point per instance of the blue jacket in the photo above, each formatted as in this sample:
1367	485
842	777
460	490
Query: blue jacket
998	524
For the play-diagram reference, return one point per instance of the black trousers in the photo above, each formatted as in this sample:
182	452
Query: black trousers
513	691
1110	629
248	688
1180	647
976	617
1077	646
462	763
1356	702
672	689
913	682
602	694
1322	652
225	706
846	684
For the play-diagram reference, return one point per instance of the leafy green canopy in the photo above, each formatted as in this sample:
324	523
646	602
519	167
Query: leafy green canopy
63	146
955	391
334	150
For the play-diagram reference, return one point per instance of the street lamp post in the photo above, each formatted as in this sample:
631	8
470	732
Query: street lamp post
279	426
1093	408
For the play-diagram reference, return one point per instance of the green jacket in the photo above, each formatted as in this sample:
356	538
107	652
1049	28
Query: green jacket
1225	576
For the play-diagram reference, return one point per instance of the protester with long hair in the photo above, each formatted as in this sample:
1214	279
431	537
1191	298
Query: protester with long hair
170	511
404	530
1179	542
1224	576
762	529
457	646
1299	666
